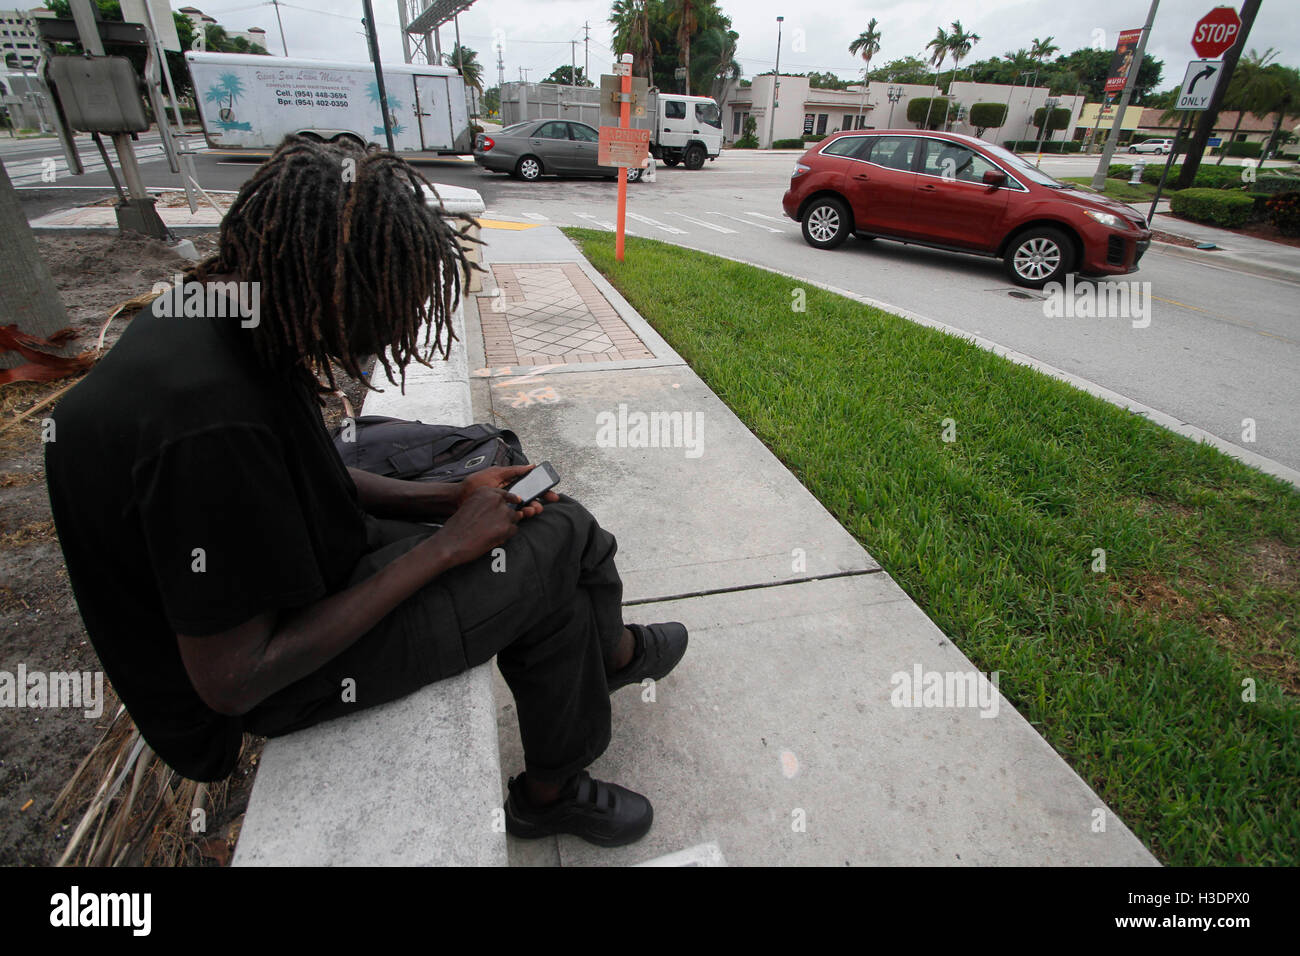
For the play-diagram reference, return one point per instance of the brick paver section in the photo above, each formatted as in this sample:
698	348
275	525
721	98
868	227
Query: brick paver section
552	314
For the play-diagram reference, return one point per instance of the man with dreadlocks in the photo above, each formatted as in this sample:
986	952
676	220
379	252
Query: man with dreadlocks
234	576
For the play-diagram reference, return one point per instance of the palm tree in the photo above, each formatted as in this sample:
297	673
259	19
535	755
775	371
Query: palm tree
466	62
631	22
720	53
1281	95
939	47
684	16
959	45
1246	91
1042	49
866	45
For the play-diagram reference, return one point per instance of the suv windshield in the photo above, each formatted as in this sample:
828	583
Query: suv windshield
1022	169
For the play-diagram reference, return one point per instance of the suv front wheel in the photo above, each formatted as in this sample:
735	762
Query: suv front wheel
826	223
1039	256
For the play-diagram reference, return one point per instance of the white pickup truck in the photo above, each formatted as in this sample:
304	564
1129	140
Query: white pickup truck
253	102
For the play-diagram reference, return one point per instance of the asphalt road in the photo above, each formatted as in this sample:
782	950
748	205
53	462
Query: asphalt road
1221	346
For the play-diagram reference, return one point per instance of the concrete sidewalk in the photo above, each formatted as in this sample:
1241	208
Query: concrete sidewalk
777	738
1260	257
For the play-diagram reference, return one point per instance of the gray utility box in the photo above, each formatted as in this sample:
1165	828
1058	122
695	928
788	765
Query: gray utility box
99	94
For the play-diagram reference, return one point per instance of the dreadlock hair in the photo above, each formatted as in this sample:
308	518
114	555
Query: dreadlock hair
351	260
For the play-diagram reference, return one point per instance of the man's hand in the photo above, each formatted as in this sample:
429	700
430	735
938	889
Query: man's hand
502	477
486	519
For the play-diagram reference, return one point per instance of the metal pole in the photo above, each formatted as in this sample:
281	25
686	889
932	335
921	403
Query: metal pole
281	22
373	40
586	49
1103	166
776	83
573	62
1169	163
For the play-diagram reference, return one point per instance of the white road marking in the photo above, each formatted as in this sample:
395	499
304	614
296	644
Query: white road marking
658	225
756	225
600	222
763	215
535	215
706	225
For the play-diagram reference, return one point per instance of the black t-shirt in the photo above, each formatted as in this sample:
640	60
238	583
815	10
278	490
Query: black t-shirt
192	490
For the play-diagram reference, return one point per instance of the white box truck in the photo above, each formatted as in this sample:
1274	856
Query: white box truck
252	102
683	129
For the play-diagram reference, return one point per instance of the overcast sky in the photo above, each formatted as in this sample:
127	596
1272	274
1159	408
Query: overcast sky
816	33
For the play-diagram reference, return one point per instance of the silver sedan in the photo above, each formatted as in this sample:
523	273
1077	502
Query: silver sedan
542	147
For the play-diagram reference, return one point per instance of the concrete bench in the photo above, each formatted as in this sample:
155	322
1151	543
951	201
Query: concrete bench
413	782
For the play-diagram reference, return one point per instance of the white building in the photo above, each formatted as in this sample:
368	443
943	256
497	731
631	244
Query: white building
803	110
18	38
202	21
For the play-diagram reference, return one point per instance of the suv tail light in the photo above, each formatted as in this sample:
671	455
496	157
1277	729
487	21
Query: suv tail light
799	170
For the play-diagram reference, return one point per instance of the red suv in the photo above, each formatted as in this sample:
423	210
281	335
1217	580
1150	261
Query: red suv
960	193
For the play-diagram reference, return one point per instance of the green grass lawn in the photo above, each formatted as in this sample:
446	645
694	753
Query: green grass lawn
1120	189
1135	674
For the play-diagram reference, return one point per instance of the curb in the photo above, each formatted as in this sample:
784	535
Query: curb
1230	262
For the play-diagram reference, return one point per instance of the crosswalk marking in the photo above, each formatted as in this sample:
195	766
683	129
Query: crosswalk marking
756	225
706	225
535	215
763	215
658	225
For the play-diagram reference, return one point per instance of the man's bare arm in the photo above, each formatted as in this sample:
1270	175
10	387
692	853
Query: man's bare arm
408	500
237	669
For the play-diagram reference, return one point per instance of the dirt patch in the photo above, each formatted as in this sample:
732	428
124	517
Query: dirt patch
1173	240
1273	564
42	629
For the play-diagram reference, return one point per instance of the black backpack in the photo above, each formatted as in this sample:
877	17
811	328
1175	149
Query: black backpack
396	448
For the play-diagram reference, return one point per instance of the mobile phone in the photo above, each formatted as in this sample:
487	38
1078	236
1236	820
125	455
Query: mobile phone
535	484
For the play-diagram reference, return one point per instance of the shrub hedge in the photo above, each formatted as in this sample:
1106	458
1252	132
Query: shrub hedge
1218	207
1049	146
788	144
1284	211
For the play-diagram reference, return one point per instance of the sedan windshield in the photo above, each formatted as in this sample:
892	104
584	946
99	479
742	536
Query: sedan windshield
1022	169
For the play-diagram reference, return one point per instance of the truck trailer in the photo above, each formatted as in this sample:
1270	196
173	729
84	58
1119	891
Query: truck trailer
252	102
683	129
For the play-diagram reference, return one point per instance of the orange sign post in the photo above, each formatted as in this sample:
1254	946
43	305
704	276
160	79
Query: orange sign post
624	122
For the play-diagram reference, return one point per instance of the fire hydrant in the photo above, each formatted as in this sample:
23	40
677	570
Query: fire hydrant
1136	178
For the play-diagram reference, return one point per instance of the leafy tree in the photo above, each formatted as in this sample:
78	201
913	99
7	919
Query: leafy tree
112	10
827	81
988	116
1281	95
924	111
564	75
908	69
1058	120
492	100
656	32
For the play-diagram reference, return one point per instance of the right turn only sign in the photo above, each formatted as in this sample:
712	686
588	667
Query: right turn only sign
1199	83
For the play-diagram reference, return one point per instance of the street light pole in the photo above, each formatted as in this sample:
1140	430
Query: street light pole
281	22
776	83
895	94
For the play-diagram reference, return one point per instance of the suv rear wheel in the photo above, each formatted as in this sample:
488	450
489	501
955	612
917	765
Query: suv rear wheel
1039	256
826	223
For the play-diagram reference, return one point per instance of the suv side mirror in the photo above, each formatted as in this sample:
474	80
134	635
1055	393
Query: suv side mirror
994	177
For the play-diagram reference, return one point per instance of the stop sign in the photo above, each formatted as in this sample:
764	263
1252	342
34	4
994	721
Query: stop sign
1216	32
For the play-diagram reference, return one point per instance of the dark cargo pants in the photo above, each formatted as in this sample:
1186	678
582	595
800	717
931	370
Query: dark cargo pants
549	608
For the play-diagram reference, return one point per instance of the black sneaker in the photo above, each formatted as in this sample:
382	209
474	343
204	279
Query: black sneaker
658	649
601	813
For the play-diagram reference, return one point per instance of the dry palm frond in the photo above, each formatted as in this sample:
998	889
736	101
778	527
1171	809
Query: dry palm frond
149	823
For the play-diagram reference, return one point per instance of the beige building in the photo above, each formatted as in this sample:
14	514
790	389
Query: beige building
804	110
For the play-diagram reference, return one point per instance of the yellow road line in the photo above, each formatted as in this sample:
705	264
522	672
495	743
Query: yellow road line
1224	318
